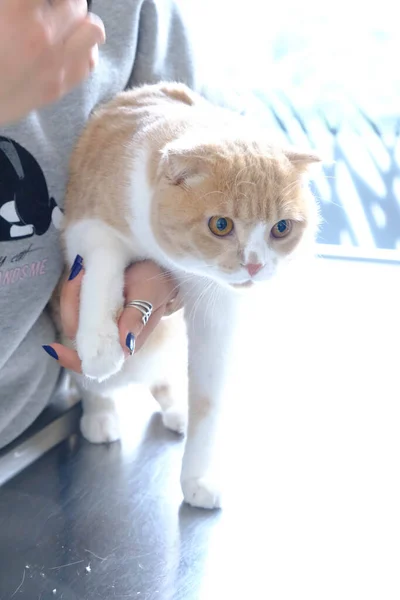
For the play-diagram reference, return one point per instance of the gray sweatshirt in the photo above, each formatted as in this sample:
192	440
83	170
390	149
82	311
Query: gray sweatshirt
146	42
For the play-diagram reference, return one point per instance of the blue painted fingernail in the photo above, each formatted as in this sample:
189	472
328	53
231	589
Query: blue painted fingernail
130	343
76	267
50	351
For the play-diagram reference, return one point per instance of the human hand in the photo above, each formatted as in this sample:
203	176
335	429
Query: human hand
46	48
144	280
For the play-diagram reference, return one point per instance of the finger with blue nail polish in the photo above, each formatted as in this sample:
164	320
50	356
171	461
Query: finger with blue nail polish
50	351
66	357
76	267
130	343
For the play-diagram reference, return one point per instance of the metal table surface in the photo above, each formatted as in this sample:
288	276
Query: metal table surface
312	490
93	522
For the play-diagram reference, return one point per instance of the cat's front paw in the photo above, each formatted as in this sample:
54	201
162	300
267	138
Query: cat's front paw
201	492
100	427
100	352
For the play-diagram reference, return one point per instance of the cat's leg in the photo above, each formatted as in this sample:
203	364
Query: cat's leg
100	420
210	334
170	384
161	365
172	398
105	259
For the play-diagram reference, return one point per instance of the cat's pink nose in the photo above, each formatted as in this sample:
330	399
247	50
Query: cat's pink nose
253	268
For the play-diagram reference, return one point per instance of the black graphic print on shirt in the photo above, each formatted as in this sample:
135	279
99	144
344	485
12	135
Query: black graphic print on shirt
26	209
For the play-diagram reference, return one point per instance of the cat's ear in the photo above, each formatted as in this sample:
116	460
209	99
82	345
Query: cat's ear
302	160
184	165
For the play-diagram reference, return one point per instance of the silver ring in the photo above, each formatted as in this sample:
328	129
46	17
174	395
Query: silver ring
146	308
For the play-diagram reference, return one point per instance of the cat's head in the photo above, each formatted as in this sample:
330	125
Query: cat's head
233	210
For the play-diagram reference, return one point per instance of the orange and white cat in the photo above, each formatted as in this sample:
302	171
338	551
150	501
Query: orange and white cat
161	174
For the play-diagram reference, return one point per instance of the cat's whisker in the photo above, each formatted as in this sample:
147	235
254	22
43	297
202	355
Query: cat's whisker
207	295
185	296
285	199
237	176
187	279
288	189
214	297
199	299
200	157
178	287
174	289
247	182
164	275
212	192
243	195
209	303
195	306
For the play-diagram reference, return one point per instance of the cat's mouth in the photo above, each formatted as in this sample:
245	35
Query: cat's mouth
246	284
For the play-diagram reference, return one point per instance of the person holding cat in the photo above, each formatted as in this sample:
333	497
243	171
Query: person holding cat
55	68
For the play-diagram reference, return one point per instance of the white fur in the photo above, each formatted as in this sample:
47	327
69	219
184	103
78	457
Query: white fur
100	423
256	244
258	247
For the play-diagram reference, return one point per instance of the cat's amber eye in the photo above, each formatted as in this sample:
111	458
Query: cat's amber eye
282	228
220	226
